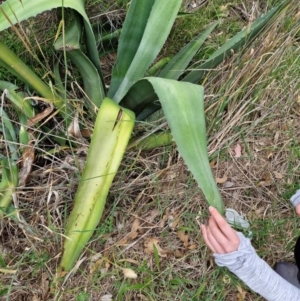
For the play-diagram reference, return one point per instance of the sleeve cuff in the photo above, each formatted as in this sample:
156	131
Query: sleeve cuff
295	199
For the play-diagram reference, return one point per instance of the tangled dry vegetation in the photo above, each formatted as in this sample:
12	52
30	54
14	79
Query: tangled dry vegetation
253	107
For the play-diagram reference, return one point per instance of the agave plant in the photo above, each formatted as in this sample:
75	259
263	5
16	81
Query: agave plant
145	30
17	140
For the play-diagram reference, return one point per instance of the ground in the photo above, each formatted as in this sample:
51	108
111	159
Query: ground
252	106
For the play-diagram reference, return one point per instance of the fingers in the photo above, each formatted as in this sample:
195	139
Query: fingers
222	224
207	241
298	209
218	235
210	240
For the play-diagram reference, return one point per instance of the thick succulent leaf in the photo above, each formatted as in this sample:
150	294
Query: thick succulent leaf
70	42
129	41
9	134
184	109
17	99
149	112
24	136
59	87
15	11
139	97
108	43
157	67
111	134
181	60
9	180
234	44
153	141
18	68
92	51
146	39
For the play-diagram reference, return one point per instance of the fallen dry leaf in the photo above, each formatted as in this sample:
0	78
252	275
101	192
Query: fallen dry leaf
278	175
96	265
221	180
37	118
107	297
178	254
241	295
183	237
150	241
133	233
226	279
74	129
26	161
212	163
134	228
142	297
192	247
264	183
228	184
153	214
260	212
45	283
238	151
86	133
129	260
129	273
164	219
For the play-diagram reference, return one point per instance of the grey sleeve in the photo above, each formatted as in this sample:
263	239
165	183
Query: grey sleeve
256	273
295	199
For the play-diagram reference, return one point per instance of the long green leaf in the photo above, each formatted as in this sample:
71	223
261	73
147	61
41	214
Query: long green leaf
154	70
234	44
184	109
59	87
10	136
129	41
139	97
156	31
9	181
110	137
16	98
16	66
178	64
70	43
15	11
24	136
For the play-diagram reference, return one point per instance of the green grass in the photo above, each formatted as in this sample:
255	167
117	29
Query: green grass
264	81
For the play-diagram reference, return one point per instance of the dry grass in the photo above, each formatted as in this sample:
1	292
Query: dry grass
253	101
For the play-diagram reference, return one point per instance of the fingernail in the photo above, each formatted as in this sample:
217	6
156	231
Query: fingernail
211	208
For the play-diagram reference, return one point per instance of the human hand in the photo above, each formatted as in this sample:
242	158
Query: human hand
297	208
218	235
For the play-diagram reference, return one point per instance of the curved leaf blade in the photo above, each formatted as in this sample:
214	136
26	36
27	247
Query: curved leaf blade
183	106
113	128
16	98
18	68
129	41
15	11
156	31
71	44
176	67
234	44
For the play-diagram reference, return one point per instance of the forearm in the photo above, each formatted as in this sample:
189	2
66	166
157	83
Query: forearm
256	273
